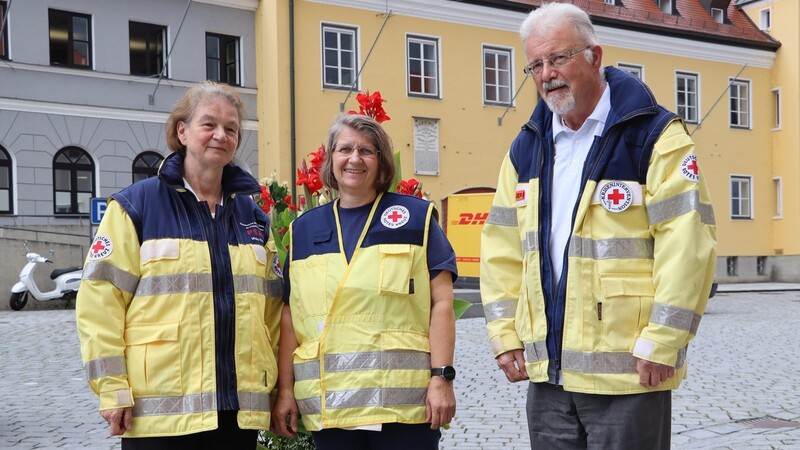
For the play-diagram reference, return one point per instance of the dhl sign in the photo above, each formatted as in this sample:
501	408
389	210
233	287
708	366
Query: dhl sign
466	215
469	218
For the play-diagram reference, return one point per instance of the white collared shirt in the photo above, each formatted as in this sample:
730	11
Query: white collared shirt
572	148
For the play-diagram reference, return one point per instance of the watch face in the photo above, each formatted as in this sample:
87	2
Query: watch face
448	372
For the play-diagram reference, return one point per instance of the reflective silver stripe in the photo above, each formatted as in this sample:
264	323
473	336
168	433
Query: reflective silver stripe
531	242
611	248
536	351
695	323
164	406
357	398
609	362
680	360
273	288
674	317
679	205
389	360
171	284
104	271
306	370
309	406
253	401
501	309
104	367
248	284
503	216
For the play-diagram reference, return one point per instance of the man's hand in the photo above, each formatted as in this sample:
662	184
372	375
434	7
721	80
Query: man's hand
513	364
119	420
651	374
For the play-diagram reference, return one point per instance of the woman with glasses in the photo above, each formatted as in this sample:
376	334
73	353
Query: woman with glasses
367	329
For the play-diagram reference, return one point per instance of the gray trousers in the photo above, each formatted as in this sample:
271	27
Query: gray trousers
558	419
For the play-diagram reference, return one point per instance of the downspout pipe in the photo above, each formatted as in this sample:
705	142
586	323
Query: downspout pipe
292	106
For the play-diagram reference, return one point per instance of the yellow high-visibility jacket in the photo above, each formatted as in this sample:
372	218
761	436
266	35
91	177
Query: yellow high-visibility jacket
146	305
639	263
364	353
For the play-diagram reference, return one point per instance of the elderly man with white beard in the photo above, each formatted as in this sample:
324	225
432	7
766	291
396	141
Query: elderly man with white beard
598	255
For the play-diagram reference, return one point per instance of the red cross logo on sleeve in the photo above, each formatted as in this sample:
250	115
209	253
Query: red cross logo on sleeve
101	247
690	171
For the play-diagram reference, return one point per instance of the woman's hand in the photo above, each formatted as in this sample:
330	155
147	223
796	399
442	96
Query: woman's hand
284	415
440	403
119	420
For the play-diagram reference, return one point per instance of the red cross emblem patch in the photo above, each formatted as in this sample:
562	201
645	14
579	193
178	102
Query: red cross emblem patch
616	196
101	247
395	216
689	168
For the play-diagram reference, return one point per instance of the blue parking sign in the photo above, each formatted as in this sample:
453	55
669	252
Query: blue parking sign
98	206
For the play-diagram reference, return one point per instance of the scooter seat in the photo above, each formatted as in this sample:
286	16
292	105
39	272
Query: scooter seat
58	272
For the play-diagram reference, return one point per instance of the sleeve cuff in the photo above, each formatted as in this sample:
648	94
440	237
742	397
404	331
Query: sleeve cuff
505	343
655	352
122	398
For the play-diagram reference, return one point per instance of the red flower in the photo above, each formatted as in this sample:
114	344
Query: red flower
317	158
371	105
409	187
266	200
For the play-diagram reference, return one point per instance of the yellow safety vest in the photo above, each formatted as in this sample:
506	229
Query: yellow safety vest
364	353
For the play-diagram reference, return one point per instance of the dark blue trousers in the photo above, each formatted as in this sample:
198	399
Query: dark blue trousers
393	436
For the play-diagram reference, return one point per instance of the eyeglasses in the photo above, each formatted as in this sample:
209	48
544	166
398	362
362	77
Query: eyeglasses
554	60
364	152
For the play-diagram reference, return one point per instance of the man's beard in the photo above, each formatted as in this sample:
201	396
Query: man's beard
560	102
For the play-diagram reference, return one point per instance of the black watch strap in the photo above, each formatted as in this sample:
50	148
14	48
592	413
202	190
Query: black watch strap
446	372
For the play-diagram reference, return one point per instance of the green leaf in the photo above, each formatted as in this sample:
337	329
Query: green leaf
460	307
398	174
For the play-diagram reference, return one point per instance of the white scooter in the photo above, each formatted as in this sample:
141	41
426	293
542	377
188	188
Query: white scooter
67	282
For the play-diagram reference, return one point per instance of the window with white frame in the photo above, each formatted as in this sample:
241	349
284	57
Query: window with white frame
339	57
222	58
765	19
718	15
423	66
4	33
611	2
6	182
741	197
776	108
70	39
73	181
497	80
633	69
777	186
147	48
686	96
740	104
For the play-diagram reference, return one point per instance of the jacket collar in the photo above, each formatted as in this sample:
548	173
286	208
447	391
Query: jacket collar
235	180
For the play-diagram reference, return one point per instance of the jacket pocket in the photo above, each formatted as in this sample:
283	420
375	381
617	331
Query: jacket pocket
407	358
159	249
620	314
395	268
153	358
308	287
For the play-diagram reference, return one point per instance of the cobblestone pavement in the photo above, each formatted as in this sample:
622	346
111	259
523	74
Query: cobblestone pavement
742	390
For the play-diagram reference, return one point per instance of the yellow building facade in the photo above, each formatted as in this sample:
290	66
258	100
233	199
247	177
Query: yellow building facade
453	124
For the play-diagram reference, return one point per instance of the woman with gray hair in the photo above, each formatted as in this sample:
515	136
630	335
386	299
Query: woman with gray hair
367	331
172	313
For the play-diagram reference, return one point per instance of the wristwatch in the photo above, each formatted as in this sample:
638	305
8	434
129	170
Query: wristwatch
446	372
